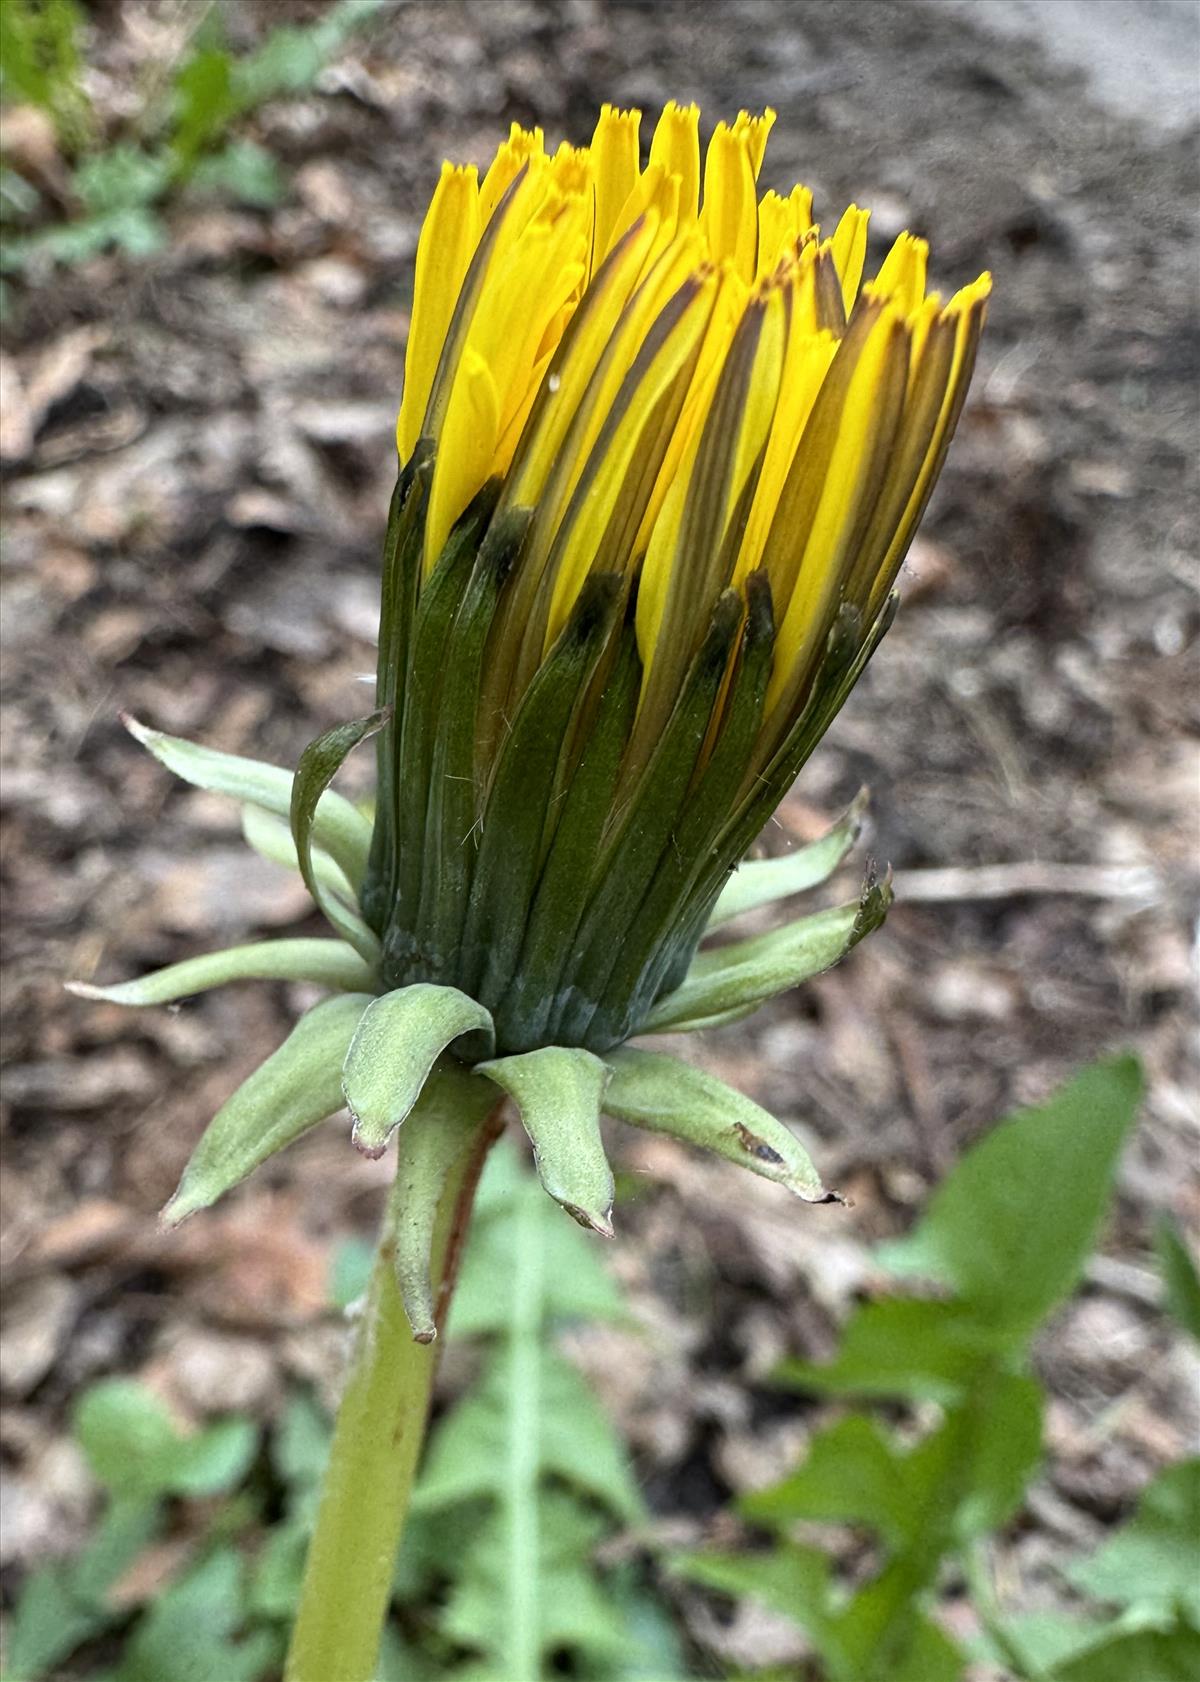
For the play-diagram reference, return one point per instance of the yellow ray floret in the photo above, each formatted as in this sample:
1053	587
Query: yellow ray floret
676	150
729	217
521	146
682	383
448	239
614	170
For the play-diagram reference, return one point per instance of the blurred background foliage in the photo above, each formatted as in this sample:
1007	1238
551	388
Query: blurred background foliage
754	1441
183	134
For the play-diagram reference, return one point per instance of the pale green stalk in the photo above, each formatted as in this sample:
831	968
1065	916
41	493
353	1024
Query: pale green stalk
373	1460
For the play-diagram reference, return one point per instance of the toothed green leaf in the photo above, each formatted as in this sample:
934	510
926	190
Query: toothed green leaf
471	1453
1154	1559
319	764
572	1610
1136	1655
558	1091
442	1126
1180	1275
298	1086
735	977
397	1043
792	1579
134	1446
330	963
272	839
879	1493
342	831
761	881
964	1479
900	1347
658	1092
575	1281
191	1629
64	1604
1010	1229
525	1476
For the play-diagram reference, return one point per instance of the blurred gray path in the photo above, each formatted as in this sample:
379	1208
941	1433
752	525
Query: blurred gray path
1142	57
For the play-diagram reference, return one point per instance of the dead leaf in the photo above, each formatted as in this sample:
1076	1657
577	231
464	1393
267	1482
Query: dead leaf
151	1572
51	374
30	146
94	1229
38	1318
257	1266
16	417
222	888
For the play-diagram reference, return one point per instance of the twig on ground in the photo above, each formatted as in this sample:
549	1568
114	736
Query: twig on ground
1030	876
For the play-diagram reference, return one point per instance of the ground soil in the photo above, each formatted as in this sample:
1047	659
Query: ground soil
197	464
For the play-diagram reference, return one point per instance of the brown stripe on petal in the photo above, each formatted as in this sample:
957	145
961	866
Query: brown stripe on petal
521	634
801	494
615	548
663	418
739	518
706	507
918	425
889	405
464	310
631	505
831	310
593	298
758	627
704	558
975	317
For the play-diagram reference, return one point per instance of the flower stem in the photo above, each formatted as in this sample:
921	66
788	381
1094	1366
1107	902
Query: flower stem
376	1446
